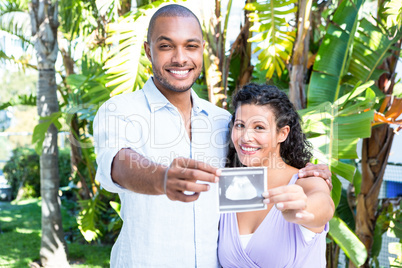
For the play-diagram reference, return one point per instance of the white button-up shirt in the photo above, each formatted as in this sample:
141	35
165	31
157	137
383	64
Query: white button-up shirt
158	232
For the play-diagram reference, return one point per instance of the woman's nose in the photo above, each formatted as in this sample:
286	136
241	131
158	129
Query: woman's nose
247	135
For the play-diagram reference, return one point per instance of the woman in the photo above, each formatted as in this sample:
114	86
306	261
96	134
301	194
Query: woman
291	231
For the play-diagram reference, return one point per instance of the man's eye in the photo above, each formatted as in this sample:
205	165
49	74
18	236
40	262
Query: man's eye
192	46
164	46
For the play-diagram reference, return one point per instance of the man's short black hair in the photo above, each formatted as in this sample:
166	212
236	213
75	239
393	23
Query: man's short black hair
173	10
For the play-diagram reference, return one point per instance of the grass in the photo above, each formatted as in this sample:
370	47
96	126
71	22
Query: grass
20	238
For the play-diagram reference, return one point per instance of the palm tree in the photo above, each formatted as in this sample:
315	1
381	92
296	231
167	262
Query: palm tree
44	23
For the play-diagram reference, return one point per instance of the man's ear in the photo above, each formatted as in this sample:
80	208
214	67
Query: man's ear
147	48
203	44
283	134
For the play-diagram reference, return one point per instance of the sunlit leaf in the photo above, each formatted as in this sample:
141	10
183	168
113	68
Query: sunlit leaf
348	241
270	19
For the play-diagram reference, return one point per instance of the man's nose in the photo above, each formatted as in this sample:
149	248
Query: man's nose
180	55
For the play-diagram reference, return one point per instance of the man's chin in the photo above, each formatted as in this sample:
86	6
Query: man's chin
181	88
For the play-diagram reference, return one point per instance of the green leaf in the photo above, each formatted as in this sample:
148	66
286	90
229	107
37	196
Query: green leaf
333	56
269	20
40	130
88	218
29	100
336	190
344	212
357	182
370	48
116	206
350	244
344	170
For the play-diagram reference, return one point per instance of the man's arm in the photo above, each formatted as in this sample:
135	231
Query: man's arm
136	173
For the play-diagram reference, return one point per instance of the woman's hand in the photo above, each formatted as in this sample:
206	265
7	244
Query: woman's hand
292	201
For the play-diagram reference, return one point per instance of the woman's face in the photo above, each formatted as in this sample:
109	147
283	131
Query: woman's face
255	135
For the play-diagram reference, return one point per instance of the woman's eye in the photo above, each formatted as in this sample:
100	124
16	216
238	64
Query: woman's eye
239	125
259	128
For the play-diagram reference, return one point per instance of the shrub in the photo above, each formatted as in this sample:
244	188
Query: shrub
22	170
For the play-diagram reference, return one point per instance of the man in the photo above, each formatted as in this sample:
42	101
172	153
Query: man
163	144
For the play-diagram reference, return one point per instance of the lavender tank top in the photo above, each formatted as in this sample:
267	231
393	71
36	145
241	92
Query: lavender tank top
276	243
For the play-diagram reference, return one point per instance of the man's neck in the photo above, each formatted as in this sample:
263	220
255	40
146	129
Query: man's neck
181	100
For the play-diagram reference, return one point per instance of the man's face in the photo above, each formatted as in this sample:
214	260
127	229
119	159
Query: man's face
175	51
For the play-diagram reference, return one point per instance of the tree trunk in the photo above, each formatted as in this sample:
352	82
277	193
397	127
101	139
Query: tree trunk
374	161
332	255
53	252
125	6
299	60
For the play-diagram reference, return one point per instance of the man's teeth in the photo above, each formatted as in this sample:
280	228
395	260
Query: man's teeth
249	149
179	72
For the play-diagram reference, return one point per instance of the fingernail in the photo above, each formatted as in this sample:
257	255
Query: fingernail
216	179
299	215
316	173
218	172
266	201
208	187
301	174
279	205
265	194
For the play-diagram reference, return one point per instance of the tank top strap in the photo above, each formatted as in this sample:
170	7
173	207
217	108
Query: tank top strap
294	179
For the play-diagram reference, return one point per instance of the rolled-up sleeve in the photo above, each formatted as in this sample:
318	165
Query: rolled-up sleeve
110	129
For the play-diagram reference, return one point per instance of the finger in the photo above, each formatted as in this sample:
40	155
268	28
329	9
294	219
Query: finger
180	196
187	163
287	189
329	182
184	185
314	167
192	175
286	203
311	166
313	173
305	215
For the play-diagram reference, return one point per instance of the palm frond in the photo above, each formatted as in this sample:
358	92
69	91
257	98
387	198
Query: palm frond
391	12
371	47
29	100
334	129
15	20
273	37
348	241
88	219
333	57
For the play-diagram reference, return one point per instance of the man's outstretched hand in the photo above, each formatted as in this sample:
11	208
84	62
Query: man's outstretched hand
182	176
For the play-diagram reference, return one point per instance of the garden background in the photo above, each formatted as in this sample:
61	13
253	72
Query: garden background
337	61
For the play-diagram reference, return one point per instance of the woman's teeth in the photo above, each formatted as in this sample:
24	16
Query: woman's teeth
248	149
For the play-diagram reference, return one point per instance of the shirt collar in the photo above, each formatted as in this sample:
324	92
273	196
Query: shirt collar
156	100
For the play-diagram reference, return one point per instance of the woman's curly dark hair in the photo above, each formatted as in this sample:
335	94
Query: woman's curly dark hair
295	150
